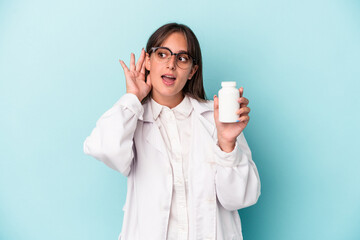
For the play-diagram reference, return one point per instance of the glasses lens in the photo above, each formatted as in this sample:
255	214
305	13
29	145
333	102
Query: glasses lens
183	60
162	55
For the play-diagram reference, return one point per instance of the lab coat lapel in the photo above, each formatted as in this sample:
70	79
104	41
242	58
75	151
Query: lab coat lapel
200	109
151	130
201	172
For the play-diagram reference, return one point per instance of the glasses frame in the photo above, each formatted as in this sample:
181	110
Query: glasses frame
153	49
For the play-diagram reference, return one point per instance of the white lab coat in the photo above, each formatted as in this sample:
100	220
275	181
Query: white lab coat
127	139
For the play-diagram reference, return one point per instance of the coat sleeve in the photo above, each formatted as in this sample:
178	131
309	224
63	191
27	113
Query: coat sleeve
237	180
111	141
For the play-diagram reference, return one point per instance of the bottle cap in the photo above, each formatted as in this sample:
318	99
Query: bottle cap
228	84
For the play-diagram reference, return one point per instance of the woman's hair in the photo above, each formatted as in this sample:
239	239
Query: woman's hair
193	88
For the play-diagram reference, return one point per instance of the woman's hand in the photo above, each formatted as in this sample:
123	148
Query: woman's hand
135	77
228	132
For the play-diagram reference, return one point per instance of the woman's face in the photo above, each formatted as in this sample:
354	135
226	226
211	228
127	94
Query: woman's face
167	91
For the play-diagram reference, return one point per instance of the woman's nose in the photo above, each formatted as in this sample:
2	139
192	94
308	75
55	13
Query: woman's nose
172	62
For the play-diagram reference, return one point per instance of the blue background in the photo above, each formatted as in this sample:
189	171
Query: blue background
298	62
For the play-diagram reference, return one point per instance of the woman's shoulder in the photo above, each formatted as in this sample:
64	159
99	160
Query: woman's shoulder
209	104
202	104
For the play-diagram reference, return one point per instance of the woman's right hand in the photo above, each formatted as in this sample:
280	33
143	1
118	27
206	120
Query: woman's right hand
135	77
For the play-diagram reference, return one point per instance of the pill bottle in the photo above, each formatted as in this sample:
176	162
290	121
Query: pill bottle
228	102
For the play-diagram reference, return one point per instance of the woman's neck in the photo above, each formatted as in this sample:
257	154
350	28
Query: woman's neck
170	102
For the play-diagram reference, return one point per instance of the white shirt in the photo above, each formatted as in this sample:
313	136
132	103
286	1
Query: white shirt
175	127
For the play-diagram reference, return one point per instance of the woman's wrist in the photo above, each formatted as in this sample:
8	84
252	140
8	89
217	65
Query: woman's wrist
226	145
136	94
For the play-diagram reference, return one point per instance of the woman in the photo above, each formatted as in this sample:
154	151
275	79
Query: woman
187	172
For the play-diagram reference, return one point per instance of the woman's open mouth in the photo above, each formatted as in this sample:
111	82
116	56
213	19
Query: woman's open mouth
168	80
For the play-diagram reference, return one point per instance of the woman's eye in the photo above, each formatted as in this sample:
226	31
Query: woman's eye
183	58
163	54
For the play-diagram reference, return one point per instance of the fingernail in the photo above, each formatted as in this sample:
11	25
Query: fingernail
237	121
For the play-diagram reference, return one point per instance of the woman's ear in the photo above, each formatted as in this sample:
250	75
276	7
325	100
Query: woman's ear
147	61
193	71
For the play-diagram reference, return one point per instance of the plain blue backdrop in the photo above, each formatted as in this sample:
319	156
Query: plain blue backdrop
298	62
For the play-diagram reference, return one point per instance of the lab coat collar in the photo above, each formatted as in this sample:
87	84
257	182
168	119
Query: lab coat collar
200	109
182	110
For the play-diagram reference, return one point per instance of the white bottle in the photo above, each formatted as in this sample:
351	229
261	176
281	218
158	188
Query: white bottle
228	102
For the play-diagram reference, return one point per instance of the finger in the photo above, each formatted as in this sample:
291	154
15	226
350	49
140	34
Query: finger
216	102
244	119
216	108
132	62
244	110
123	66
143	68
241	90
243	101
140	60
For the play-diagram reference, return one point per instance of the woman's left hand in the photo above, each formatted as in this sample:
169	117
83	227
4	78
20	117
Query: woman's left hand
228	132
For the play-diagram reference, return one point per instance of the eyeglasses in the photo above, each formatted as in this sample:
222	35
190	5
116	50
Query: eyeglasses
163	55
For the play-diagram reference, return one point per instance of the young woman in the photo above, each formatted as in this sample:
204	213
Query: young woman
188	173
